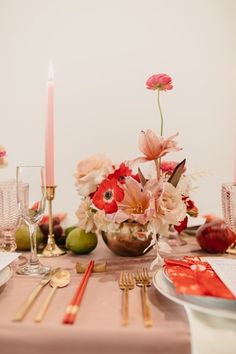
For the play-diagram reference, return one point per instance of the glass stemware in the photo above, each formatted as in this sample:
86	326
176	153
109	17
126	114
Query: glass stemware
32	206
228	195
9	214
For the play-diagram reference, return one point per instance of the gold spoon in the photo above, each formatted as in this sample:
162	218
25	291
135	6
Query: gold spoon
58	280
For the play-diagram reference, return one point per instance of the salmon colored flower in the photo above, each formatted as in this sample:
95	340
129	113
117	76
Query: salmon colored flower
154	147
136	203
107	196
121	173
161	82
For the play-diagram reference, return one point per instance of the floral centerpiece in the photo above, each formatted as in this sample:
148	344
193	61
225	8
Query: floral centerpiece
121	200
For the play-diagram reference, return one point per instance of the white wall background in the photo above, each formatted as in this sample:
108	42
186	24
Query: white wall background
103	52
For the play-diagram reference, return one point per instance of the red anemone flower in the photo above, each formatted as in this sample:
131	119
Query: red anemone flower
121	173
182	226
107	196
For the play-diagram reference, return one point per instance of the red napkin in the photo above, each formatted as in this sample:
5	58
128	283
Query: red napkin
191	276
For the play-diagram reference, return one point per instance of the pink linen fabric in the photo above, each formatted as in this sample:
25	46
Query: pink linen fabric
97	329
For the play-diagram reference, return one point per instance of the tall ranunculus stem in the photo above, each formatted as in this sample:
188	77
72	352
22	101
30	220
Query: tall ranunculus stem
158	162
159	106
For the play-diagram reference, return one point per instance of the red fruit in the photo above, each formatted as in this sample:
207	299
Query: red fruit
215	236
56	220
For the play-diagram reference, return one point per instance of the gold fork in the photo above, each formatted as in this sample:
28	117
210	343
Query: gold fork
143	280
126	283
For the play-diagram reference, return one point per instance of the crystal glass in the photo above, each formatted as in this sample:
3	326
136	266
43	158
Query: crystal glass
10	217
228	195
32	206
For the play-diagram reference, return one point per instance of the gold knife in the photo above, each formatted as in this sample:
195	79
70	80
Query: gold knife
20	314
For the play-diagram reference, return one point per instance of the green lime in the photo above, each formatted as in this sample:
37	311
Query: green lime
23	238
69	229
78	241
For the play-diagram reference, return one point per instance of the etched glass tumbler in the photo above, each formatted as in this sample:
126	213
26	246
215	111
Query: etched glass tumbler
10	216
228	195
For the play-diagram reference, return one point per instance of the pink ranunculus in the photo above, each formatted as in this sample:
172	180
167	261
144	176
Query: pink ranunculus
3	157
154	147
161	82
168	167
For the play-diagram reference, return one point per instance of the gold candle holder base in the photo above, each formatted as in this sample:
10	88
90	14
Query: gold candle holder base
51	249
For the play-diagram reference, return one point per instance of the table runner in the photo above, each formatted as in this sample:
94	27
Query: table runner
97	328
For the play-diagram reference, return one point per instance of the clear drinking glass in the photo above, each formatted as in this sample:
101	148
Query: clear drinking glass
10	217
32	206
228	195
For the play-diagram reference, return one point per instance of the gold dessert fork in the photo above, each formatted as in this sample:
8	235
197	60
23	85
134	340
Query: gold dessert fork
126	283
143	280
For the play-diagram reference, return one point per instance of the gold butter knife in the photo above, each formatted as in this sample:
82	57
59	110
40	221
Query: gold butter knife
24	308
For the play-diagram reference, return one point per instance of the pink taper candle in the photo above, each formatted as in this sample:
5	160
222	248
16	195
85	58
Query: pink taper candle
49	138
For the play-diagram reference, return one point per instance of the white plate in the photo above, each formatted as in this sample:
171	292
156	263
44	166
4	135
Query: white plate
5	275
211	305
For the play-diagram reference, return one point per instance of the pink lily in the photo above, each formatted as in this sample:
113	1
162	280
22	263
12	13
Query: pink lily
154	147
136	203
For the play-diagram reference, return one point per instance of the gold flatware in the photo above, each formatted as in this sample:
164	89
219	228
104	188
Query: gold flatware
59	280
22	311
126	283
143	280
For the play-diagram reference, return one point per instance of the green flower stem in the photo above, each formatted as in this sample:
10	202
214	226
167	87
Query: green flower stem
159	106
158	163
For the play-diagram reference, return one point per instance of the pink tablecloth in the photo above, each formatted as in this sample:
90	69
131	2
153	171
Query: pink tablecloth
97	328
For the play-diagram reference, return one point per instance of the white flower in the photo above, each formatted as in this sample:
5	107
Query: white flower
184	185
85	216
91	172
170	210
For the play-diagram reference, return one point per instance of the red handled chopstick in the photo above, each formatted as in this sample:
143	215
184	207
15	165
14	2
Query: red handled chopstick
73	308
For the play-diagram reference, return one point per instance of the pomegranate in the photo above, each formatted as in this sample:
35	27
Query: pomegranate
214	236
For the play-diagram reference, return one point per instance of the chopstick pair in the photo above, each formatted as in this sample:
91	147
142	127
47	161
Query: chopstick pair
73	308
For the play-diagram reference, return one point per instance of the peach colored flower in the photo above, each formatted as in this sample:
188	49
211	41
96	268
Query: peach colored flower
3	156
161	82
154	147
90	172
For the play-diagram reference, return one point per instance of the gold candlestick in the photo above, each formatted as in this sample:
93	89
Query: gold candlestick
51	249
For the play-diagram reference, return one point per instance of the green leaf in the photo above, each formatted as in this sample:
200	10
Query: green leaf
175	177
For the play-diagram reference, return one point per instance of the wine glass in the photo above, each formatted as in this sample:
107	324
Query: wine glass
228	195
32	206
10	217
